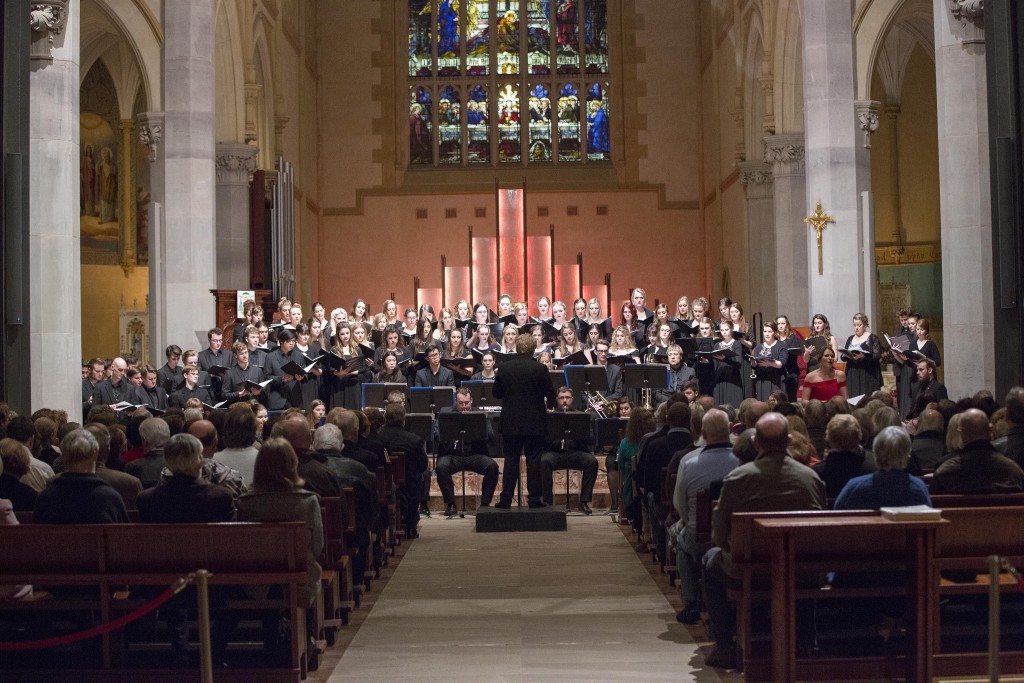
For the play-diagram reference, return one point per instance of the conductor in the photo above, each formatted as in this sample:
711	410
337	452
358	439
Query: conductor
523	385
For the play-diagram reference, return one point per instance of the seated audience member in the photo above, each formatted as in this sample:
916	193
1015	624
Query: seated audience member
14	459
78	496
844	458
397	438
773	482
24	430
278	496
7	518
706	467
319	478
816	418
977	467
127	486
327	442
928	447
891	484
452	458
46	440
349	424
183	497
154	434
1012	445
239	442
658	454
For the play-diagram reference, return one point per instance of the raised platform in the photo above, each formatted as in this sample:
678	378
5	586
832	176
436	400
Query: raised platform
490	519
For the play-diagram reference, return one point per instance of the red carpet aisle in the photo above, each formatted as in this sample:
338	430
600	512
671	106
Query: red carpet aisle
578	605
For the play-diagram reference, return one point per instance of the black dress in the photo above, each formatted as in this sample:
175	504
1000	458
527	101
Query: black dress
728	383
864	376
770	379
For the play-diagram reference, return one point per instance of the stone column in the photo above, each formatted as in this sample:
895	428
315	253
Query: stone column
837	163
186	174
756	177
967	295
785	154
127	191
235	162
55	303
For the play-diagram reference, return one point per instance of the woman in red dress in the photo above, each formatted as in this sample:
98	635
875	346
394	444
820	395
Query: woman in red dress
826	381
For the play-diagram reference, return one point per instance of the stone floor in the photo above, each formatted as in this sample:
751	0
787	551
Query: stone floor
575	605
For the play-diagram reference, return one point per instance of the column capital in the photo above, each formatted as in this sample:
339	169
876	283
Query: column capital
785	153
867	118
969	16
756	177
47	19
151	131
235	162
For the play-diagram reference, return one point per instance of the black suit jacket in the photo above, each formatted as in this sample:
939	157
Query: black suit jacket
280	394
935	391
234	382
183	499
365	457
399	439
225	359
180	397
106	393
155	397
522	383
168	379
658	455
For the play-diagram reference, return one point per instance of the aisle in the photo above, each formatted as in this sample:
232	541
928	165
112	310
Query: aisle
577	605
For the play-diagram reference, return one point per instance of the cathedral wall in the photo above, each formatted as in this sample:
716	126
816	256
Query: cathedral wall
106	287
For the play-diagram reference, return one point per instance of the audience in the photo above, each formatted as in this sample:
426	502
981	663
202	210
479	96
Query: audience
78	496
890	484
977	467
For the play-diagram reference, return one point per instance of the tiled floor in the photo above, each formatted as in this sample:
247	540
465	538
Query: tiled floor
575	605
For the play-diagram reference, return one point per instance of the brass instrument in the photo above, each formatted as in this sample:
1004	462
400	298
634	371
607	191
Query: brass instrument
601	405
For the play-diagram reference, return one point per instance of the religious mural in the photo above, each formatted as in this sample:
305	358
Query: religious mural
99	210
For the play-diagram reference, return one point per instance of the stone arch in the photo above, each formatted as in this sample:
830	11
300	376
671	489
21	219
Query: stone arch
789	68
755	104
229	74
136	29
874	24
265	99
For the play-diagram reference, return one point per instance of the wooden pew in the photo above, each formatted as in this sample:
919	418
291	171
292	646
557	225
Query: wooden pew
964	545
751	558
112	556
956	500
336	579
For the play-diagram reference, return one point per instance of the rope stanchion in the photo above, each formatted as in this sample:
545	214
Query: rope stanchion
100	629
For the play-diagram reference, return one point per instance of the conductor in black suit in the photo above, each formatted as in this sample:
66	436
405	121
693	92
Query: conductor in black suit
523	385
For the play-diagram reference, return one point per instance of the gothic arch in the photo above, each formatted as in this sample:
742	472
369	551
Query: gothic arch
133	26
873	24
265	99
755	100
789	70
229	74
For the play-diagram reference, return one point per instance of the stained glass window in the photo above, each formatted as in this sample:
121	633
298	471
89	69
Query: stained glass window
478	126
483	89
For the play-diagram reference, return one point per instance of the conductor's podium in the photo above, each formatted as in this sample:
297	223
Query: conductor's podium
491	519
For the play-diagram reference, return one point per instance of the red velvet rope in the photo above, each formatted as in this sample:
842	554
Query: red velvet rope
95	630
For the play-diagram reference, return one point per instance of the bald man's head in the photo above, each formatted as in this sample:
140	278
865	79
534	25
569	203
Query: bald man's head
206	432
772	433
930	421
715	426
974	426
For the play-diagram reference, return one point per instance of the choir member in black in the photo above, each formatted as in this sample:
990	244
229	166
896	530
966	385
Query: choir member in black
216	354
594	316
661	342
265	344
346	383
169	374
359	314
578	455
504	305
394	343
389	371
908	376
627	319
863	366
462	311
481	339
409	328
741	330
191	390
423	339
253	314
445	325
699	309
724	304
94	375
684	318
791	339
902	366
317	333
769	362
558	320
616	384
820	327
638	297
244	370
679	374
544	309
191	359
486	372
257	355
455	349
455	457
508	339
592	335
705	367
310	384
115	388
284	391
434	374
522	314
360	337
579	316
728	384
390	309
568	344
150	393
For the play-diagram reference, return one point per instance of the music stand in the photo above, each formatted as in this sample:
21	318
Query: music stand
375	394
646	377
483	393
430	399
688	346
586	379
608	431
568	426
557	379
470	426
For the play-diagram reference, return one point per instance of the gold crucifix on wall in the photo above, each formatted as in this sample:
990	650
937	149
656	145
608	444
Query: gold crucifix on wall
819	220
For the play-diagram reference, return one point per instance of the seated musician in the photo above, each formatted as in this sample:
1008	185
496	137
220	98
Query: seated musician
615	381
455	457
434	375
576	453
679	374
